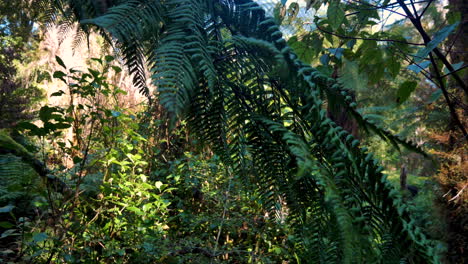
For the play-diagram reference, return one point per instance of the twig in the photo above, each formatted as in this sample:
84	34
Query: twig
425	9
453	113
372	7
461	68
349	37
459	193
226	197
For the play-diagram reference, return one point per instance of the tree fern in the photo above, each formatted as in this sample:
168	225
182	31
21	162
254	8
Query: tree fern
224	66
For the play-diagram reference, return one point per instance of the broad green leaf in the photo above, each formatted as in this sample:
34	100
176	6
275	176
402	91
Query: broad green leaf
59	93
375	72
417	68
440	36
29	126
306	48
455	66
7	208
45	113
324	59
9	232
453	17
72	70
5	224
338	53
77	160
393	65
94	72
116	113
97	60
276	250
405	91
60	62
117	69
109	58
350	44
59	75
39	237
335	15
62	125
136	210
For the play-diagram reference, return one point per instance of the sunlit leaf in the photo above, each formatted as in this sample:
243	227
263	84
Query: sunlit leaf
440	36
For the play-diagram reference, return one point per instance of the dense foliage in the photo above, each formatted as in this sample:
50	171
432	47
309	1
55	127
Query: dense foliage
247	154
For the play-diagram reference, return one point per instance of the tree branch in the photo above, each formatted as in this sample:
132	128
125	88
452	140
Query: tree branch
450	73
417	24
375	39
453	113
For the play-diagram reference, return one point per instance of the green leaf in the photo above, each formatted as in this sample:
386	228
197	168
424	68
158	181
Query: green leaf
29	126
276	250
335	15
405	91
324	59
45	113
9	232
5	224
59	75
39	237
439	36
97	60
77	160
94	73
455	66
74	70
338	53
393	66
350	44
59	93
117	69
136	210
306	48
62	125
418	67
453	16
60	62
6	209
109	58
116	113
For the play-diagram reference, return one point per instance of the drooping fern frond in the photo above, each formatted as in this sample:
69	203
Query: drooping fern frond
17	179
224	67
